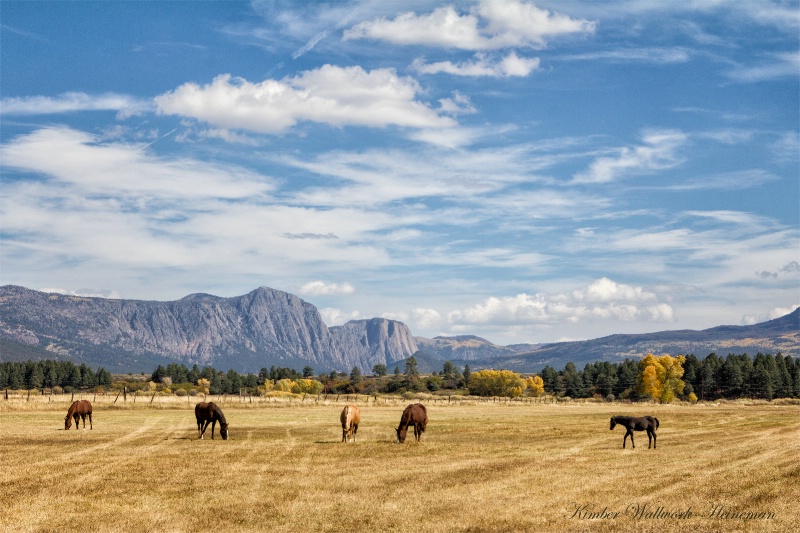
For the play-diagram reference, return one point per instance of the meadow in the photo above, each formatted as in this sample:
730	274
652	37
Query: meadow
481	467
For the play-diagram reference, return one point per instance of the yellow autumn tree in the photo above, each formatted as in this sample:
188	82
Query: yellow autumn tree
660	377
203	385
496	383
307	386
535	385
284	385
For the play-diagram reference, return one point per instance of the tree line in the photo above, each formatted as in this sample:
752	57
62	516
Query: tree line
663	378
734	376
50	374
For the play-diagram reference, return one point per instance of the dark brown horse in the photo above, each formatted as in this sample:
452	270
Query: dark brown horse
210	413
350	419
415	414
631	423
79	409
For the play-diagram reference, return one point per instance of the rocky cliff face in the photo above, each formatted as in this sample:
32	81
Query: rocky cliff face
259	329
462	348
374	341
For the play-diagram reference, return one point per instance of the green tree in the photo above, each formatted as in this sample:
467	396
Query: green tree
308	372
355	375
411	368
379	370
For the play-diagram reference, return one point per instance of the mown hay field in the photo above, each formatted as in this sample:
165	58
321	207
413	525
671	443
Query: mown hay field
481	467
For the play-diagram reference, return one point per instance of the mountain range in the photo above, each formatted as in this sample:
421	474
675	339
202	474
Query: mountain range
270	327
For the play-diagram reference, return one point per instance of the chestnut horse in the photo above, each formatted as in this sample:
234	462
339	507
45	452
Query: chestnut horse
415	414
350	418
631	423
82	409
210	413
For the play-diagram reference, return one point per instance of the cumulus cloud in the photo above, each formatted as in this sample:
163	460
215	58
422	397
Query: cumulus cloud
603	299
337	96
491	25
426	318
482	66
772	314
658	152
85	293
336	317
320	288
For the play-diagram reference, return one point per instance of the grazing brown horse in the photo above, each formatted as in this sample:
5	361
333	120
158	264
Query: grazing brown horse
631	423
350	418
415	414
210	413
82	409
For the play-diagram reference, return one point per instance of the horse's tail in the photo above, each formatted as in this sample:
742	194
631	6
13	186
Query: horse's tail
656	419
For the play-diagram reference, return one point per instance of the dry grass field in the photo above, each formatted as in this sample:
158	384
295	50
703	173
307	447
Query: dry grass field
479	468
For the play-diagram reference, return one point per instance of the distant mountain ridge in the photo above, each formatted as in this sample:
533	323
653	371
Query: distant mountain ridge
270	327
774	336
262	328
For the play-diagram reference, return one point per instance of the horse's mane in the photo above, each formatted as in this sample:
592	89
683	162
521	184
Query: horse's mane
220	415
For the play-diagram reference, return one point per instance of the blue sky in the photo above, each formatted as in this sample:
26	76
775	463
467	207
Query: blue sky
526	172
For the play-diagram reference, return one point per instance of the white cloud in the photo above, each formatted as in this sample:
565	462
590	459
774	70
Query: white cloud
772	314
126	106
336	317
85	293
491	25
78	158
603	299
321	288
481	66
659	56
658	152
776	66
426	318
337	96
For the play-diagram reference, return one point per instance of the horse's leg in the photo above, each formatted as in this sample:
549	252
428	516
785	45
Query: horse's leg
633	445
91	426
213	425
355	429
205	426
651	433
77	418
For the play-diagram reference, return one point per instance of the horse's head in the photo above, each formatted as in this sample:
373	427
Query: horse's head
223	430
67	422
613	422
401	434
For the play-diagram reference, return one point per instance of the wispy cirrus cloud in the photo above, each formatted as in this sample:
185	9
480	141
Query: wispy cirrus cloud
74	102
658	151
772	67
659	56
483	66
